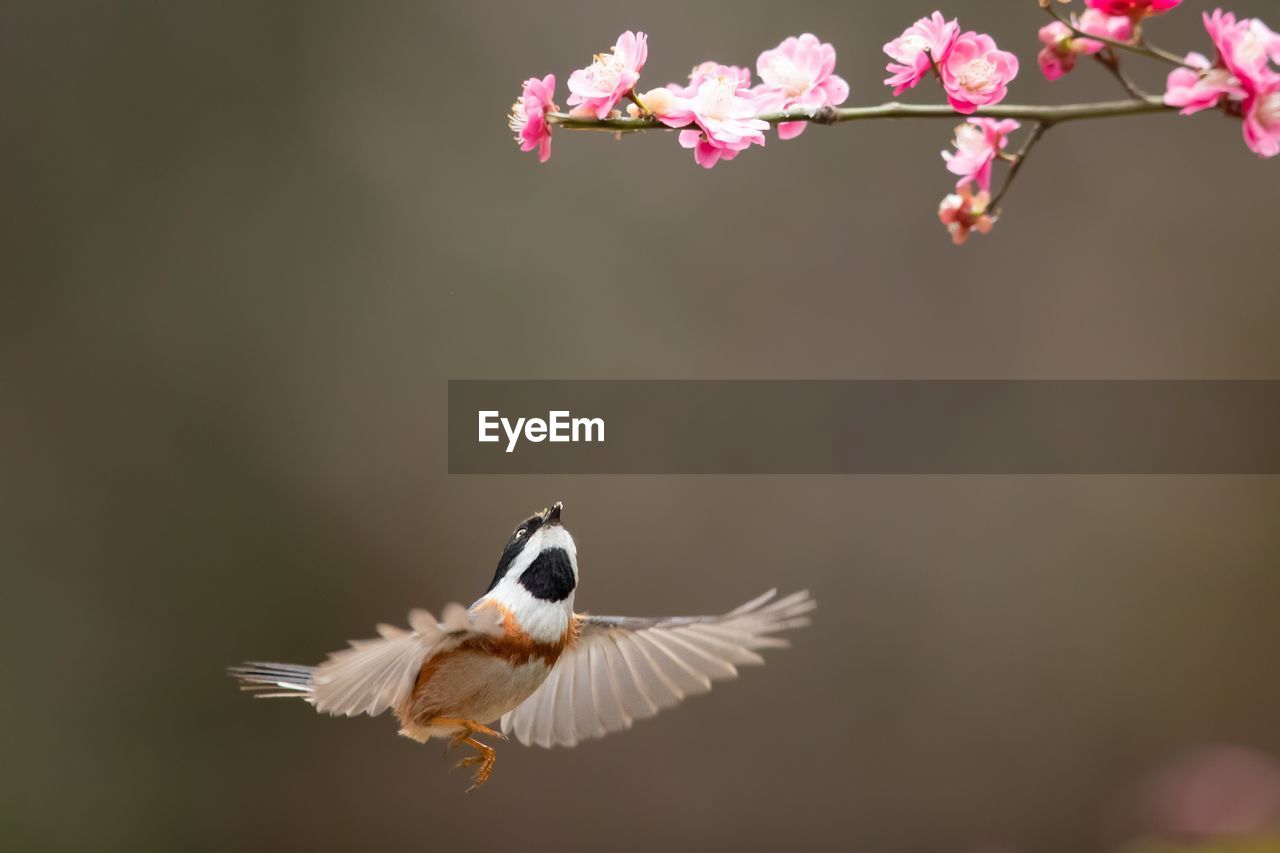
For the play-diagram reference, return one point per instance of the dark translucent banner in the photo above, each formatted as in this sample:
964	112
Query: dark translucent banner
864	427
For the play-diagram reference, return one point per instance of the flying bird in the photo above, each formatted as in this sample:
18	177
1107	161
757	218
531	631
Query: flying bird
521	655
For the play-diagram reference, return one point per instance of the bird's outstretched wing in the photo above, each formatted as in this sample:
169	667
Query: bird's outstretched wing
372	675
621	669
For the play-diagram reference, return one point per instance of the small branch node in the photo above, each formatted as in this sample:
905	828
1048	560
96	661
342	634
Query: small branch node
825	115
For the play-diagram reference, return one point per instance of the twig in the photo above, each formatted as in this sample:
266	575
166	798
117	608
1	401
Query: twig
933	63
1037	131
1164	55
1107	59
1139	47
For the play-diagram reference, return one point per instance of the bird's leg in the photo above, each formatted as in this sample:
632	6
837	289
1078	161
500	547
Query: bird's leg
467	729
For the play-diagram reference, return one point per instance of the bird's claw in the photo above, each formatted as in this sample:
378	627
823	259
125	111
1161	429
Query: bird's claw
485	757
484	762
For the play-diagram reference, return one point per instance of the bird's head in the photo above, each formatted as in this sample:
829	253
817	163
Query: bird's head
539	560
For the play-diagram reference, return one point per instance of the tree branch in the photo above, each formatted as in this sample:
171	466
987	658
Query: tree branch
1045	115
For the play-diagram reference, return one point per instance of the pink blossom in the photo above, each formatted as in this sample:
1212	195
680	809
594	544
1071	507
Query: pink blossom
1062	45
978	143
1244	46
798	74
528	118
596	89
1132	9
1058	56
1096	23
724	110
963	212
707	71
1262	117
1200	85
1055	65
655	102
977	73
927	41
1243	73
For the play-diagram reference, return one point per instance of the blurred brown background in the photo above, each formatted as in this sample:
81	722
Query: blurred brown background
245	246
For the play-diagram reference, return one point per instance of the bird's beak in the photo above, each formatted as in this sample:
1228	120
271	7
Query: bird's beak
553	514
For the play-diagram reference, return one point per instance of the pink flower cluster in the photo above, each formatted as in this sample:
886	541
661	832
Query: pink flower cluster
722	111
963	213
1242	79
973	71
717	112
1135	10
979	143
1062	45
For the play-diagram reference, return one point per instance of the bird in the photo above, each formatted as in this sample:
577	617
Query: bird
521	657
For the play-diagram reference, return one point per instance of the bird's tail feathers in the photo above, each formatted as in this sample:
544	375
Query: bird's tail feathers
275	680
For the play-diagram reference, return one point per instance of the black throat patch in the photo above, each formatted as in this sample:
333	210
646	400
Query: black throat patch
550	577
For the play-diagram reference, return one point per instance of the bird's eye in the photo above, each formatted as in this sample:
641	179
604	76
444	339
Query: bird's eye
520	532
